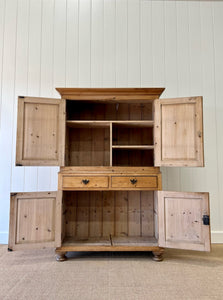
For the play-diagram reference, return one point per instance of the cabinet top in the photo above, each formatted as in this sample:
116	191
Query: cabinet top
110	94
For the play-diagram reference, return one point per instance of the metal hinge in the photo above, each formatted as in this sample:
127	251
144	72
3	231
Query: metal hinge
206	220
9	249
18	165
21	97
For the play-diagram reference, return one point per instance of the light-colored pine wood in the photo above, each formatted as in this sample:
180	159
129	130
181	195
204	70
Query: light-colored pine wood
83	214
111	178
121	213
147	214
35	220
104	244
95	220
134	182
140	147
85	182
108	219
111	94
40	132
180	220
178	132
110	170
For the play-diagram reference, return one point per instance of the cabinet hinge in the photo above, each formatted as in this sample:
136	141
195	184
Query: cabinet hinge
21	97
18	165
10	250
13	194
206	220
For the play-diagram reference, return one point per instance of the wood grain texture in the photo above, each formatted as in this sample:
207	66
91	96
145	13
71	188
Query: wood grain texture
178	132
106	215
40	131
181	220
112	178
35	220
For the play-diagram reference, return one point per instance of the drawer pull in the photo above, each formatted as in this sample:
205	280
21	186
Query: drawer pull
133	181
85	181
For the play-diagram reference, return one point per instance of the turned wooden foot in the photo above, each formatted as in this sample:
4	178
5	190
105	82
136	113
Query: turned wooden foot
60	256
158	255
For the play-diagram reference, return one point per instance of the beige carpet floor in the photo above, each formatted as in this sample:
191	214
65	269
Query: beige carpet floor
131	276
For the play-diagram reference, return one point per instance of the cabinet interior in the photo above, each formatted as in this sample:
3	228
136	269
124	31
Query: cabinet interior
109	218
109	134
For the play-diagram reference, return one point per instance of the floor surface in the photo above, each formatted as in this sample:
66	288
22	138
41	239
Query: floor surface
131	276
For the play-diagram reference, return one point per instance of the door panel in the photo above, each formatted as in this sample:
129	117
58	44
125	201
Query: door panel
181	223
35	220
178	132
40	132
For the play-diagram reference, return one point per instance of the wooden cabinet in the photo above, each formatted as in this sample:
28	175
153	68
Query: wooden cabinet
109	144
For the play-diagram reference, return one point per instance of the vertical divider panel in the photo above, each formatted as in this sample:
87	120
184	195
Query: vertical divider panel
110	143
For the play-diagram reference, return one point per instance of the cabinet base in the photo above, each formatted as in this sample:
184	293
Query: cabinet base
156	251
158	255
60	256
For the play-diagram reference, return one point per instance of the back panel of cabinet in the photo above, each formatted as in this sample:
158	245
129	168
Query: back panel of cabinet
108	215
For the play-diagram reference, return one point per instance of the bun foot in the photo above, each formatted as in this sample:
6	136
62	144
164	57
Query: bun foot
60	256
158	255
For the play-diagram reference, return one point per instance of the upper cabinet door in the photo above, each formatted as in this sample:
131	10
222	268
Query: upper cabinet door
184	220
35	220
178	132
40	132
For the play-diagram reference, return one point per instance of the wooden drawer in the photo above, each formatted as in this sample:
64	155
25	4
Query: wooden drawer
85	182
133	182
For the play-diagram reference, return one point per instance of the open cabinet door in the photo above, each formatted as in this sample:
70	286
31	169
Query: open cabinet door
183	220
40	132
35	220
178	132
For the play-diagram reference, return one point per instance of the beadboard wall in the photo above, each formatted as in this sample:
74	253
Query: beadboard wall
107	43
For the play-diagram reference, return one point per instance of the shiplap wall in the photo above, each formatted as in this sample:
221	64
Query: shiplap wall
107	43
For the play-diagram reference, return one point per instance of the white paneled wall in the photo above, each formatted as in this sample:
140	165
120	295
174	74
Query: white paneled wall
106	43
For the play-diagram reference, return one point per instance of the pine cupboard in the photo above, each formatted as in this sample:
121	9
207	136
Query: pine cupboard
109	144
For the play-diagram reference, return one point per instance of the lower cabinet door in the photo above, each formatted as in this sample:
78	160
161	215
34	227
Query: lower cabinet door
35	220
183	220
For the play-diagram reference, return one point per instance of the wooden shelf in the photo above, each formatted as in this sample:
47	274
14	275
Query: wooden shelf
127	123
88	124
135	241
110	244
135	147
130	123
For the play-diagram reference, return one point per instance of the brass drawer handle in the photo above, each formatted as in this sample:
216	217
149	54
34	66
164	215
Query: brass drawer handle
85	181
133	181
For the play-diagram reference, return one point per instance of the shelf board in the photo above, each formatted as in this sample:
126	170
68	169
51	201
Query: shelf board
137	243
71	241
131	123
88	124
136	147
126	123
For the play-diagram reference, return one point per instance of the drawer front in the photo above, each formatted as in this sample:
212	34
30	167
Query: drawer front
135	182
85	182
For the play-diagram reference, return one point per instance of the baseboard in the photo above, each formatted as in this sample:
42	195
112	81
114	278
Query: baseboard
217	237
4	237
